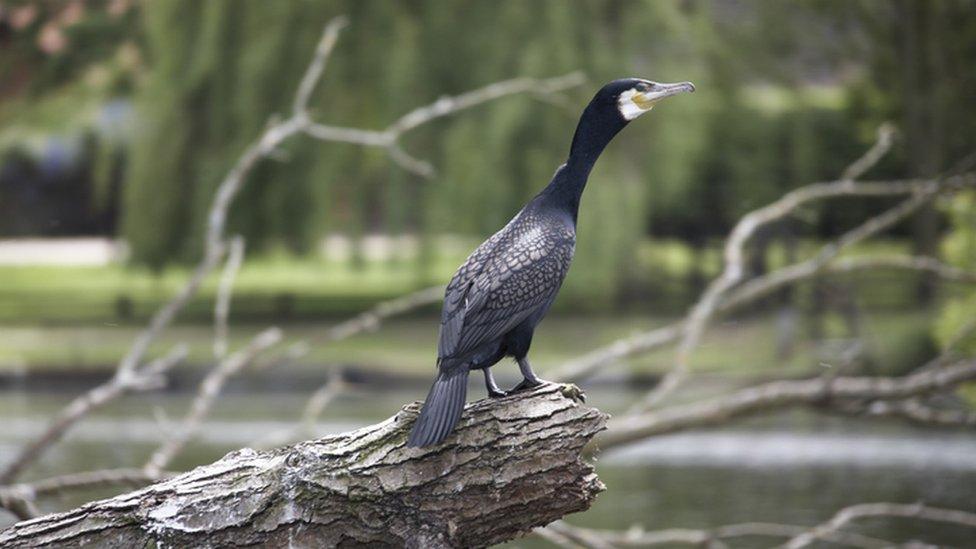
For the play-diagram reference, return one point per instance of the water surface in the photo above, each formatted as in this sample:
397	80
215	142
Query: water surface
794	468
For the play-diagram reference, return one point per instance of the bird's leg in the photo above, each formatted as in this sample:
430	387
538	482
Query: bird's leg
494	391
530	380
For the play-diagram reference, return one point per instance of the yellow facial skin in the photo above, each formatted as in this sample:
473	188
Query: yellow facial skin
634	102
643	101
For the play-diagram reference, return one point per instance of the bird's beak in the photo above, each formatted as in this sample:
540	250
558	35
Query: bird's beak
659	91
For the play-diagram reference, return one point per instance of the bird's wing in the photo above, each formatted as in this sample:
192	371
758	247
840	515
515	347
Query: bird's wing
458	289
521	272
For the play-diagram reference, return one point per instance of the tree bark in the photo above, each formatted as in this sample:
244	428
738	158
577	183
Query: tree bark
512	464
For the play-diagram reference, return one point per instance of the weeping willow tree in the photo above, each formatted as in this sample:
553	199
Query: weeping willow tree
217	74
220	69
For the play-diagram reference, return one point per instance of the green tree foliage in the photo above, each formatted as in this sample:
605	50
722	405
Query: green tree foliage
959	248
763	121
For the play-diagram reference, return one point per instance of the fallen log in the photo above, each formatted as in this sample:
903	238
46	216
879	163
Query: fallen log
513	464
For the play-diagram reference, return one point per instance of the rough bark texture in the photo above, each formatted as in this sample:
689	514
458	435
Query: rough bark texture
513	464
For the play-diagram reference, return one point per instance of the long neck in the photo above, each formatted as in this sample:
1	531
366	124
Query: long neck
596	128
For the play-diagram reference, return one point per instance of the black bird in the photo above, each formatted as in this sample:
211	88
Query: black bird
496	299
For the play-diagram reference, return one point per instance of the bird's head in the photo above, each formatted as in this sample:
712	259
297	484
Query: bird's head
612	108
636	96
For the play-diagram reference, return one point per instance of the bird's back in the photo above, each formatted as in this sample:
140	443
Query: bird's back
512	275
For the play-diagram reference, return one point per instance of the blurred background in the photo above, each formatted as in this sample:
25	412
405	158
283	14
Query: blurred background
119	118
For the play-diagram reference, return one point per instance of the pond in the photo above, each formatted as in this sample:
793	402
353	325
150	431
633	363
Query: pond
793	468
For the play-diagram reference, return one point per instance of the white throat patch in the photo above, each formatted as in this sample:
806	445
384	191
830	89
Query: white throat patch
628	108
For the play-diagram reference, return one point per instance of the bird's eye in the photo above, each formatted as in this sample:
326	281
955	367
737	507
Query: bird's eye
642	87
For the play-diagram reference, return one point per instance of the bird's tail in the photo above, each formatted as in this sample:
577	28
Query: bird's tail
442	409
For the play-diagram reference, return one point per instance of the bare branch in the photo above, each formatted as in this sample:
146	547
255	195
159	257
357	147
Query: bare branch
314	406
225	291
585	537
638	537
711	301
354	136
364	322
444	106
509	467
782	394
763	285
148	378
210	387
20	499
409	163
96	479
313	74
734	255
320	399
914	410
906	262
552	536
886	137
855	512
164	316
19	503
266	145
448	105
370	320
582	367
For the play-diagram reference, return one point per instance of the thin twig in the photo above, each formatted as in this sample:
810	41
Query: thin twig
638	537
27	493
209	389
225	290
313	74
266	145
899	510
370	320
584	366
21	499
147	378
760	286
578	369
445	106
585	537
734	269
18	502
763	285
907	262
775	395
213	251
550	534
914	410
886	137
305	426
366	321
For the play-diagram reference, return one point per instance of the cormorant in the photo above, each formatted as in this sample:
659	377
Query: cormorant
499	295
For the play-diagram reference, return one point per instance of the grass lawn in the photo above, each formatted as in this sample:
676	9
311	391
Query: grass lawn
287	288
268	286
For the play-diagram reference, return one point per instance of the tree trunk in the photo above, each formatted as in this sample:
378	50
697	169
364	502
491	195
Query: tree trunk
513	464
